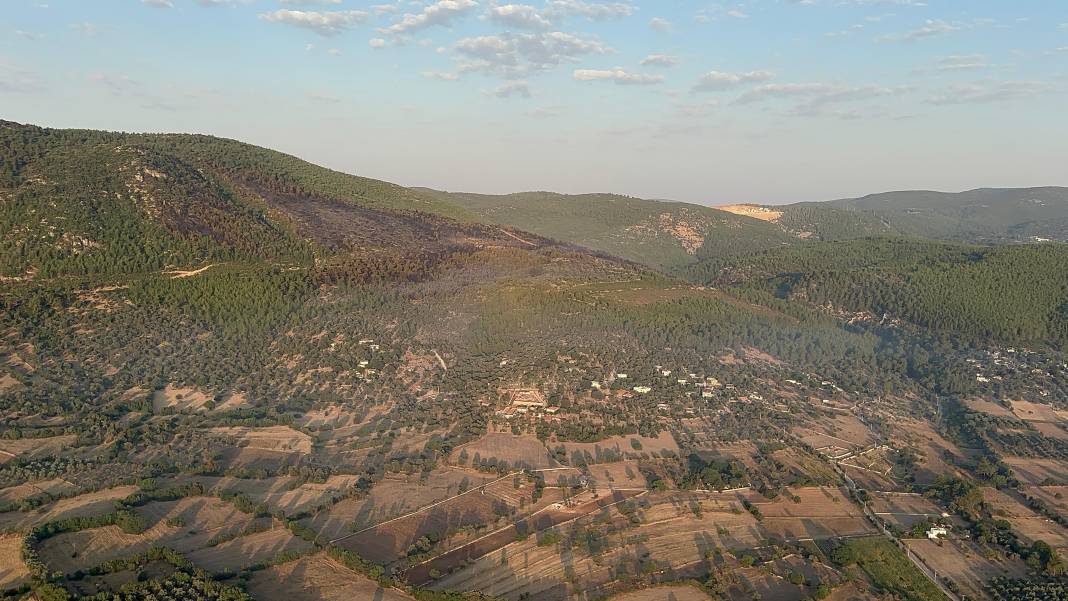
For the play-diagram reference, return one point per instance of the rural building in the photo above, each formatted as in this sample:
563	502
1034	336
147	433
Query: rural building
527	398
937	532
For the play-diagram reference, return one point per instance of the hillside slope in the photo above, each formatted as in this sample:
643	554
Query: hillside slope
656	233
1016	293
982	215
82	202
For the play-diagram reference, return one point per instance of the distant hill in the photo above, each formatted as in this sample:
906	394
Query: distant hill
983	215
658	233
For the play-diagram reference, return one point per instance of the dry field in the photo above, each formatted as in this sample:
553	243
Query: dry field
904	510
622	446
754	583
932	448
664	593
669	533
203	518
963	563
989	407
1035	471
32	448
180	399
619	475
804	462
1055	497
1049	430
519	451
1028	524
282	439
93	503
13	571
245	551
392	497
1035	412
389	541
14	494
317	578
822	513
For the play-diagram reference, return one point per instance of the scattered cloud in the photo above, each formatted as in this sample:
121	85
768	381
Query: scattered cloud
597	11
322	23
962	62
310	2
659	60
158	3
715	81
443	76
376	43
523	16
442	12
660	24
618	75
513	88
514	55
930	29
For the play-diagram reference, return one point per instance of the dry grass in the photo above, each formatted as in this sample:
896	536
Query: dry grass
524	451
904	510
245	551
94	503
1028	524
988	407
623	445
15	494
13	571
317	578
30	448
1035	471
665	593
822	513
964	563
281	439
203	518
392	497
1035	412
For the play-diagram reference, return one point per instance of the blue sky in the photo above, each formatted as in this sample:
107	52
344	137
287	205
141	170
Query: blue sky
757	101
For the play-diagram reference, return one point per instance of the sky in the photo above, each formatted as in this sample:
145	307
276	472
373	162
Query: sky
767	101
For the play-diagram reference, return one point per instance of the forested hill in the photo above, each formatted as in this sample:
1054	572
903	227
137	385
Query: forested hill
89	202
983	215
657	233
1014	293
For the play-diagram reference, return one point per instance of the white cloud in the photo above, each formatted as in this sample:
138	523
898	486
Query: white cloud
618	76
515	55
597	11
376	43
441	12
659	60
443	76
660	24
962	62
519	15
322	23
931	28
513	88
158	3
309	2
718	80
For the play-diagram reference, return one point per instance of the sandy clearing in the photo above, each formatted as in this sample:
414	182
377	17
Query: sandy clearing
176	274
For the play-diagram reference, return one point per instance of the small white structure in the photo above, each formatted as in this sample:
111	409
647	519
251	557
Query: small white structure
937	532
642	389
